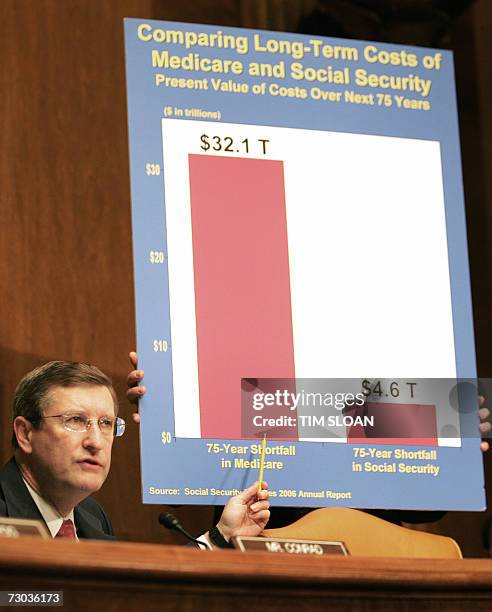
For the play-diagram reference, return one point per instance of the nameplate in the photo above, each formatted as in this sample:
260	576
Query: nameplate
22	528
292	547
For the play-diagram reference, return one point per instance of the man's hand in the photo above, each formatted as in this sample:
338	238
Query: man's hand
485	425
135	389
245	514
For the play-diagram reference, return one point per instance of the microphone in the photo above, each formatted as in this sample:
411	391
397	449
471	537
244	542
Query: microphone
169	521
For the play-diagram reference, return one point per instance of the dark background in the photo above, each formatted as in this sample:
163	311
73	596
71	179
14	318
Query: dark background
66	278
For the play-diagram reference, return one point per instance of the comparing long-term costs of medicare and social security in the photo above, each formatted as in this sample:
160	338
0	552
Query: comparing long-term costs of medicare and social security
260	42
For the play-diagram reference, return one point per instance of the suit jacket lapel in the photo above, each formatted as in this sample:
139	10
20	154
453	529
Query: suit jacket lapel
18	500
88	526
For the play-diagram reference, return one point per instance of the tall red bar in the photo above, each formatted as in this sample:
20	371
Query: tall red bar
242	285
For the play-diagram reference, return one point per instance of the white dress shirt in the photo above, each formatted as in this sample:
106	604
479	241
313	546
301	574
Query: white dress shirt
51	516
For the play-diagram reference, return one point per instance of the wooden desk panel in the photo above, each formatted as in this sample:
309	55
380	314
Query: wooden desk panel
126	576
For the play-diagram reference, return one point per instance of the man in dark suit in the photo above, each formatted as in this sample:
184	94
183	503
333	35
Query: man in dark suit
15	501
65	421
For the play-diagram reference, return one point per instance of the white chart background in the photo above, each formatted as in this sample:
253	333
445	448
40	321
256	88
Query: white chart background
368	256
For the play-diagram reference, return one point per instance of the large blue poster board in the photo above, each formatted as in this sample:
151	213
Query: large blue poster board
298	215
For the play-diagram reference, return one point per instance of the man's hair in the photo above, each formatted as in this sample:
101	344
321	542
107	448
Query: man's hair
32	393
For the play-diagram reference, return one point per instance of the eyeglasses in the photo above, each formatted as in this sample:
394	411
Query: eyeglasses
108	426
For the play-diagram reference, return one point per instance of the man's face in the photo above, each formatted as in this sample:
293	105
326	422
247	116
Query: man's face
68	462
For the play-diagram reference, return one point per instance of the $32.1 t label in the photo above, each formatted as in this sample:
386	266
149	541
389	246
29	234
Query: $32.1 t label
227	144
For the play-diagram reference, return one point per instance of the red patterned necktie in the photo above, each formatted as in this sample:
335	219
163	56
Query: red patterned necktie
67	530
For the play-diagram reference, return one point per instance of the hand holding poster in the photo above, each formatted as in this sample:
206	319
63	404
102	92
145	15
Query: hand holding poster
298	222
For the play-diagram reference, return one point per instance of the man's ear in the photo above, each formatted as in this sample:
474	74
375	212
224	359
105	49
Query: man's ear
23	431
